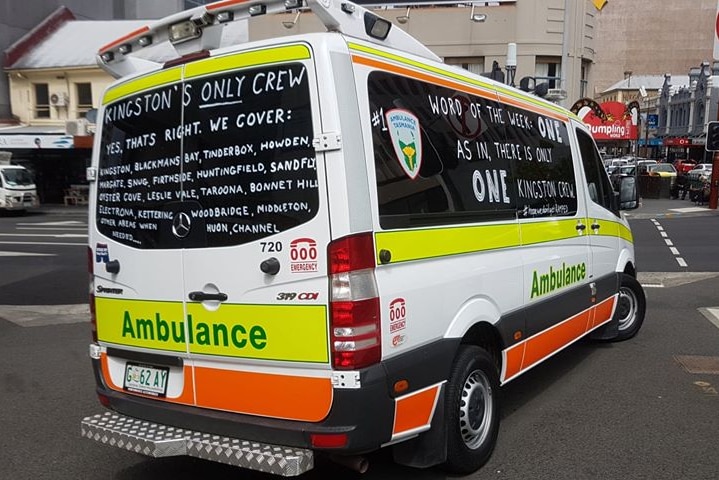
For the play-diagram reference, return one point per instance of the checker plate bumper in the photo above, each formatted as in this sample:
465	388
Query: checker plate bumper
157	440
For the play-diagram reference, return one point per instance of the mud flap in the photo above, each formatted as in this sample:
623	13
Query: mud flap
608	331
429	448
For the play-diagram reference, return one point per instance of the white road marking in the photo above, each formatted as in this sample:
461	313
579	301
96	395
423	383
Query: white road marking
57	224
54	229
26	254
712	314
690	209
42	315
62	235
670	244
41	243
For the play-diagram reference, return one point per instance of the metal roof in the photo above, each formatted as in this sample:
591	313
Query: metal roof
76	42
650	82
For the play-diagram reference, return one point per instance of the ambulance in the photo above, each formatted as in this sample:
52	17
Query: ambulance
328	244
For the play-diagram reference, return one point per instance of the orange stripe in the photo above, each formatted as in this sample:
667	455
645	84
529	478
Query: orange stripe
279	396
513	360
123	39
422	76
603	311
549	341
488	94
415	410
226	3
187	397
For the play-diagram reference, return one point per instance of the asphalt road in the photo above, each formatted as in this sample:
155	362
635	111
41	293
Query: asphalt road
633	410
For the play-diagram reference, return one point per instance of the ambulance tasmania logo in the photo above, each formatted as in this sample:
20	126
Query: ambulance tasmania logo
404	130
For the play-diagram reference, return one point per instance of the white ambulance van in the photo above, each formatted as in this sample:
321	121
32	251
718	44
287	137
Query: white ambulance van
17	186
333	243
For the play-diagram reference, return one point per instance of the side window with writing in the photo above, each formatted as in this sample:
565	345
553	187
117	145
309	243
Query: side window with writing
436	156
541	163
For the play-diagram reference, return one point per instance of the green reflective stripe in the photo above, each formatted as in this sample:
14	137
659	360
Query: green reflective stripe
548	231
607	228
422	244
146	82
430	243
205	67
247	59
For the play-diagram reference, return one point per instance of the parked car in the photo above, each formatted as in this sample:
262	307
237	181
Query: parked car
643	164
663	170
701	169
684	165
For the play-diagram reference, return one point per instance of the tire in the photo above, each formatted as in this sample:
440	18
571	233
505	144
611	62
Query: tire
631	308
472	410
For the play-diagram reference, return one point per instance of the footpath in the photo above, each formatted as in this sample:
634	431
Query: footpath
664	207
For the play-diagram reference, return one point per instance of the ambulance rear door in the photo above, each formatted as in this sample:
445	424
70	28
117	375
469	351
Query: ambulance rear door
253	221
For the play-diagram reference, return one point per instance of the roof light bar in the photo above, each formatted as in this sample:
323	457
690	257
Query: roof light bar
183	31
375	26
259	9
201	28
202	18
144	41
226	16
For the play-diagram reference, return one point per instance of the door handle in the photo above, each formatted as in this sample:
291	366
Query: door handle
595	226
581	227
202	296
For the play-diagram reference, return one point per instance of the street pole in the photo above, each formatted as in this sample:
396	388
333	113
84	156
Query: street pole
714	186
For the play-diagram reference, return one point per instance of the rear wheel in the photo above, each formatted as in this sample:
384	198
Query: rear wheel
631	307
472	410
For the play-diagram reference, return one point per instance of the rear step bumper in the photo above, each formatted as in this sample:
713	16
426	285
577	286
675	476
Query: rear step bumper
156	440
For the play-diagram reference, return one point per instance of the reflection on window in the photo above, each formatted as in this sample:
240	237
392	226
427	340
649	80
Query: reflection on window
42	100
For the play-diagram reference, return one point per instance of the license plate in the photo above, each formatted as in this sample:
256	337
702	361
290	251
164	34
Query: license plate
146	379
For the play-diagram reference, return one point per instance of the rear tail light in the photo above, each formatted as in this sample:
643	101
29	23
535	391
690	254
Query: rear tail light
354	303
91	286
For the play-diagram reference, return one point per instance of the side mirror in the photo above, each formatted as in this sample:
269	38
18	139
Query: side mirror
628	193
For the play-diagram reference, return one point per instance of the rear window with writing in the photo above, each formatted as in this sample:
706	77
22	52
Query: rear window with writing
215	161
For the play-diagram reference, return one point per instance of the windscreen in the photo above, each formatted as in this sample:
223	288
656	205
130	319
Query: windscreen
17	177
232	153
